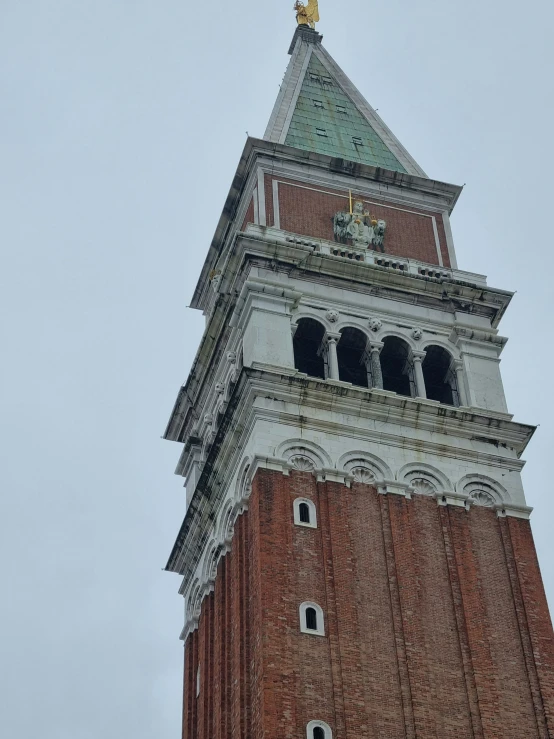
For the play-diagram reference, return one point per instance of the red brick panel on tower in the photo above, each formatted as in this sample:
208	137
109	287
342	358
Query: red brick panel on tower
436	623
309	210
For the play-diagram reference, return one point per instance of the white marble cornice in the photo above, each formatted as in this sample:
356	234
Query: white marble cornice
457	438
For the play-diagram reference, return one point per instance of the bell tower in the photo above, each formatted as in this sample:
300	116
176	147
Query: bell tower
356	556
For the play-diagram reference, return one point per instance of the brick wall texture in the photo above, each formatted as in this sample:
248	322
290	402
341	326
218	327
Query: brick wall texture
309	211
436	622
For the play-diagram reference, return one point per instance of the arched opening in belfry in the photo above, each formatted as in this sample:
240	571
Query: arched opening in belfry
308	356
318	733
440	379
396	367
352	357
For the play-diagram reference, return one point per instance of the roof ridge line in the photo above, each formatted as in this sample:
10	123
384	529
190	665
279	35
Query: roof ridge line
273	130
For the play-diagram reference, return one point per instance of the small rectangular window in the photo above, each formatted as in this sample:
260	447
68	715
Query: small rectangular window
341	109
356	140
326	80
314	77
318	104
321	132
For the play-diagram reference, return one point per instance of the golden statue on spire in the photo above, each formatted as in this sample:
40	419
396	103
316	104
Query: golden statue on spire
307	15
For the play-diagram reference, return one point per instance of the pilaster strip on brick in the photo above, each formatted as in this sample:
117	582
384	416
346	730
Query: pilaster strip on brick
276	211
437	241
235	633
187	687
330	600
209	672
228	695
359	495
349	634
477	624
523	626
396	611
241	608
257	615
457	601
219	650
261	198
205	685
246	629
409	577
536	612
201	665
194	700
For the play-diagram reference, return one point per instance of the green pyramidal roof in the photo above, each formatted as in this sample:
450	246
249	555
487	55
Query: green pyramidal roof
319	109
325	120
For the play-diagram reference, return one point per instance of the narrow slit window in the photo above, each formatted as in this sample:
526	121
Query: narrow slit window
321	132
319	730
311	619
326	80
304	511
314	77
357	141
318	104
341	109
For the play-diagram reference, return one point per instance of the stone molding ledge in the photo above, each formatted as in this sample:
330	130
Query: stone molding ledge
261	406
303	459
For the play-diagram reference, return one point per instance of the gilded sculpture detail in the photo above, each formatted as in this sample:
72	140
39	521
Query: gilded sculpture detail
307	15
359	228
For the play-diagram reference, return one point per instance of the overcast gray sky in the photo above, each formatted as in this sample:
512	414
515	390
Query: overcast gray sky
122	122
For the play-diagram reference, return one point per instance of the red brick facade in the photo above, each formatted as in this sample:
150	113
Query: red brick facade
309	210
436	622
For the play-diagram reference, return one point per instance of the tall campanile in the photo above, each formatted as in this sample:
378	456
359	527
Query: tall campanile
356	555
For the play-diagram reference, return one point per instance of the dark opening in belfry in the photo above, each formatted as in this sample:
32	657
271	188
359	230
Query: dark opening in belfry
396	366
307	342
352	357
440	378
318	733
